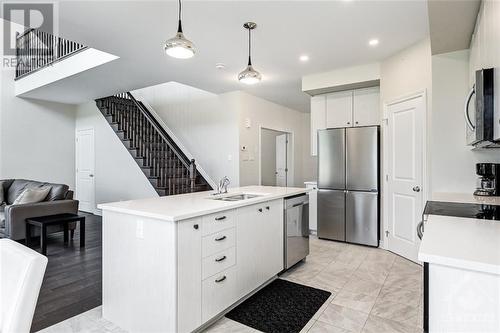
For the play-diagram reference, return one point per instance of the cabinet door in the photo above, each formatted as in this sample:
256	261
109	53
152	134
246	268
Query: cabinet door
272	239
318	120
366	107
189	256
248	248
339	109
259	246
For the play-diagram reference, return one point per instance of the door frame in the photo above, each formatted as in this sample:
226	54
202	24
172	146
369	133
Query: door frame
425	160
94	210
291	141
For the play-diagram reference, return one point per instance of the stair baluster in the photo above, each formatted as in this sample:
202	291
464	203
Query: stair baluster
168	169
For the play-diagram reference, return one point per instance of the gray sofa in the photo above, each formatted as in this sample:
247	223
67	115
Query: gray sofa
13	217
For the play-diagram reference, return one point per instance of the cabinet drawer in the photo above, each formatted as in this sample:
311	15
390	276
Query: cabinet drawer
219	221
219	241
218	262
218	293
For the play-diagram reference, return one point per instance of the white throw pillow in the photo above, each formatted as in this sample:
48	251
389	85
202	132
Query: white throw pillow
32	195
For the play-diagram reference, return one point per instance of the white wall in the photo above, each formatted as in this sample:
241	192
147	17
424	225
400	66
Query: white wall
212	129
117	175
452	161
262	113
36	137
205	124
406	72
349	77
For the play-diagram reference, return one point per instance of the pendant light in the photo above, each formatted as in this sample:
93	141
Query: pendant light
179	46
249	75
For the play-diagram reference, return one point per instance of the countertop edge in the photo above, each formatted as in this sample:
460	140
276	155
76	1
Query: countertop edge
169	218
459	263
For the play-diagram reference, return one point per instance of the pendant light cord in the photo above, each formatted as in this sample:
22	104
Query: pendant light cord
179	29
249	47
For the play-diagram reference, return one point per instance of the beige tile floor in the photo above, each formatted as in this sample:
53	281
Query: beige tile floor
373	291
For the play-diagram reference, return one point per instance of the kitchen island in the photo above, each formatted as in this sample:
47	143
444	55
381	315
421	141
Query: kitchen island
461	274
176	263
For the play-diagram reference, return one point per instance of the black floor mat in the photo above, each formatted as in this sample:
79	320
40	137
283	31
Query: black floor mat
282	306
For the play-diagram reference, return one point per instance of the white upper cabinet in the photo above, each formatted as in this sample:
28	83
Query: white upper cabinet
350	108
339	109
366	110
318	120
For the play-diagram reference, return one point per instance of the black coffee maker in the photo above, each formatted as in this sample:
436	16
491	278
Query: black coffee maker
488	183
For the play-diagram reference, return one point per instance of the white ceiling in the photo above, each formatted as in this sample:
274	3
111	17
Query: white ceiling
451	24
333	33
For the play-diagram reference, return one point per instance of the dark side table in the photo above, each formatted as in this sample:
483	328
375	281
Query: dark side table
44	221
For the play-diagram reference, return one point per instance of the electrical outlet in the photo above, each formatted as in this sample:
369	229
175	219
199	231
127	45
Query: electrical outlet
139	229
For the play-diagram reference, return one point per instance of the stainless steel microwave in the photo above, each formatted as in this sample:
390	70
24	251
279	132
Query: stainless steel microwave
480	113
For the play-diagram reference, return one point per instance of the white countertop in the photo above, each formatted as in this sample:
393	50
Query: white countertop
465	243
184	206
465	198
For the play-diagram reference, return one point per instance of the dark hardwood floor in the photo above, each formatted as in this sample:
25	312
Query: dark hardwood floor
73	279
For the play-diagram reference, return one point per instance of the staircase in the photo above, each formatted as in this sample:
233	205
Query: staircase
164	164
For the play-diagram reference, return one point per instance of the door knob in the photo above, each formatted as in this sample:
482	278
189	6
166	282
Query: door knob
91	175
416	189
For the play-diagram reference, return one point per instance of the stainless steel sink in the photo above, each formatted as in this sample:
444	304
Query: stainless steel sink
238	197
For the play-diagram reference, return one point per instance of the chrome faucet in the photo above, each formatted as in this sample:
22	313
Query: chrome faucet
222	186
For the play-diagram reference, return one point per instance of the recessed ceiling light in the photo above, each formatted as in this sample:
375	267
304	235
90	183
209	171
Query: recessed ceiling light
373	42
220	65
304	58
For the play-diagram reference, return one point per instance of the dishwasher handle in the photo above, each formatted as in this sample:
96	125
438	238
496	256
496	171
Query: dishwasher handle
300	204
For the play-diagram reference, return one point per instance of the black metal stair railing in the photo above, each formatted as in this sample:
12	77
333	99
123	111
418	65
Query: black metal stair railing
168	169
36	49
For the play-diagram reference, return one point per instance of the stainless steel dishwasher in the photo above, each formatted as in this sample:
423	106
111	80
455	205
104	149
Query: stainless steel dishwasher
296	226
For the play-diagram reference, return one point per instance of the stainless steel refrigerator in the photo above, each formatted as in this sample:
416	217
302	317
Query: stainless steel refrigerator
348	183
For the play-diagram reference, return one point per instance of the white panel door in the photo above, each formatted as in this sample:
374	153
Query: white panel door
318	120
339	109
281	160
405	145
85	185
366	107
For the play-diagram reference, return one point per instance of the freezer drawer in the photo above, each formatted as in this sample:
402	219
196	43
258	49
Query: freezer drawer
331	158
362	159
331	214
362	218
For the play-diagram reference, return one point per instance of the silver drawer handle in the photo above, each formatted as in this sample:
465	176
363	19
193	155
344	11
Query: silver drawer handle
220	218
221	259
219	280
220	238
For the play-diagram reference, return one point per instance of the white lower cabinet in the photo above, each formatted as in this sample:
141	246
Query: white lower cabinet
218	293
260	244
223	257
